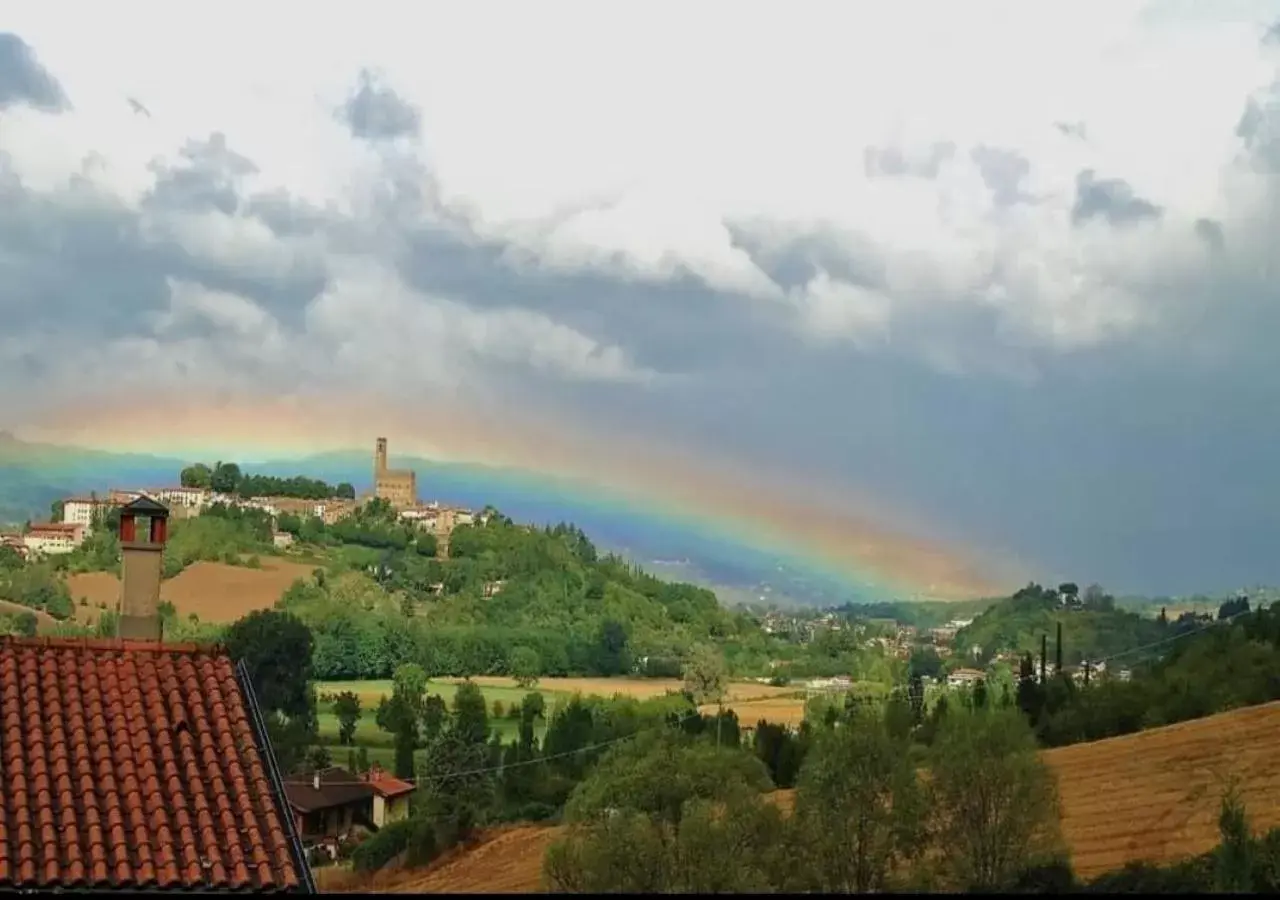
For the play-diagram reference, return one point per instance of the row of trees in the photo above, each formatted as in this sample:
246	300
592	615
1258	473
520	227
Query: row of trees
228	478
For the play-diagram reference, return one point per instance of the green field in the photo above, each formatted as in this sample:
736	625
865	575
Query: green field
379	743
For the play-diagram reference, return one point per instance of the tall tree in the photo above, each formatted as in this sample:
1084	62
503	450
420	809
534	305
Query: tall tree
276	648
994	800
859	807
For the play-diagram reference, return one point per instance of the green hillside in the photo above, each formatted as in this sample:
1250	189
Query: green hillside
1092	626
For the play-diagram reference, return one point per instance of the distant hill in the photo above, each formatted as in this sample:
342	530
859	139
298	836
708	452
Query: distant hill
1096	629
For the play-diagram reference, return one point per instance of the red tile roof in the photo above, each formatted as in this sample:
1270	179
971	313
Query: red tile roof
385	783
127	764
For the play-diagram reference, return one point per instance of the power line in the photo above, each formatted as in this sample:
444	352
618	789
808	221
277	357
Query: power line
529	762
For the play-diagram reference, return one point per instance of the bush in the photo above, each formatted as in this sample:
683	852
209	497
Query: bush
382	847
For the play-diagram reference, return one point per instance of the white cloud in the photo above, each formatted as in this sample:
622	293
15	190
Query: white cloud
632	139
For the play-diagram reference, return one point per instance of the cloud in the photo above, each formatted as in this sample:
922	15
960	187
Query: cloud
904	250
1112	199
24	80
376	112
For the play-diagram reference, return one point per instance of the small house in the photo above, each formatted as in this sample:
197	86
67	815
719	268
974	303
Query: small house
390	796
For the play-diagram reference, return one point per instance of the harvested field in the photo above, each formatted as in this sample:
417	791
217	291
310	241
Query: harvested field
1150	796
216	592
505	861
750	700
1155	795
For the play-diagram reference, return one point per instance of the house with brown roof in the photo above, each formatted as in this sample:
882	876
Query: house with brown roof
327	805
129	764
330	803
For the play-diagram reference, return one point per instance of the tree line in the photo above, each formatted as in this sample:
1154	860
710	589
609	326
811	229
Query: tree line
228	478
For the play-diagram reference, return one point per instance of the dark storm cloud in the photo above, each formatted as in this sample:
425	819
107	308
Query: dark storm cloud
672	326
1210	232
376	112
1111	199
24	80
894	162
1003	172
67	264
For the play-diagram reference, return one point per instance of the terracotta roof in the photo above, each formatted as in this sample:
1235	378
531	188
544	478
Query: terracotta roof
338	787
387	784
54	527
128	764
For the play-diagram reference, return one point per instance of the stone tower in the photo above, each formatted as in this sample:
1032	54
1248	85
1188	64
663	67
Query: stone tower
399	487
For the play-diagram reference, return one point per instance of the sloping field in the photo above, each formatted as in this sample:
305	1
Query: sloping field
216	592
506	861
1150	796
1155	795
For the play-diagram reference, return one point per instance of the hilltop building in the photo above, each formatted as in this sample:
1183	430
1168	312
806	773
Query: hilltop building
399	487
134	765
53	538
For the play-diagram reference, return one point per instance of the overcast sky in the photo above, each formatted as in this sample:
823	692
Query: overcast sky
1012	267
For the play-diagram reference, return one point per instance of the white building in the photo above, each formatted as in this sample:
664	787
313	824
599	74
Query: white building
80	510
964	677
53	538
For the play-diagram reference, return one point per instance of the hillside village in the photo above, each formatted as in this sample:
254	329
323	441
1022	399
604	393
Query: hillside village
79	514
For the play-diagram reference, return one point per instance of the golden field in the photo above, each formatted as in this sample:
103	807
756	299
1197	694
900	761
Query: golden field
1151	796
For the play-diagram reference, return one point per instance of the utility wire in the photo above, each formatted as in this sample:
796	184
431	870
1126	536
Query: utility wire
848	700
299	780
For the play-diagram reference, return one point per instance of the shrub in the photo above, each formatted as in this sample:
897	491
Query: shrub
382	847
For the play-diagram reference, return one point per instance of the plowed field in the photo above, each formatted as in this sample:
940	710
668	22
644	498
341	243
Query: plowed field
1150	796
216	592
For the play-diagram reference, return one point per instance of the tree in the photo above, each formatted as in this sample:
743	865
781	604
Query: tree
613	658
859	807
225	478
197	475
276	649
56	510
525	666
1233	860
346	706
345	491
994	799
666	814
705	679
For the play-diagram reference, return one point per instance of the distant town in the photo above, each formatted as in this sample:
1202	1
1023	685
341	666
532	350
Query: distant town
397	487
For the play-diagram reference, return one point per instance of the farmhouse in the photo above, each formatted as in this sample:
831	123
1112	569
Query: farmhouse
390	796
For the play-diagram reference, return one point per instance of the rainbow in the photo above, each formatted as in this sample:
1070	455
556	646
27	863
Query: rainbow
551	465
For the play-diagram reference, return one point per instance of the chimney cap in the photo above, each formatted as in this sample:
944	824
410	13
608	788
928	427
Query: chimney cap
145	506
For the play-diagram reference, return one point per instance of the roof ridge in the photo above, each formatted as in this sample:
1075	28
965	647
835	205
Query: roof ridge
126	645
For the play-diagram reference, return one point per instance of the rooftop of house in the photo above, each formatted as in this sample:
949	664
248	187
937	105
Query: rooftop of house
54	527
387	784
130	765
337	787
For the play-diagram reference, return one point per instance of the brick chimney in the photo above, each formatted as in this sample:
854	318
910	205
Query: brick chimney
144	527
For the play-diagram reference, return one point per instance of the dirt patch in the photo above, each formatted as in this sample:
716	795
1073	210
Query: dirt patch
216	592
